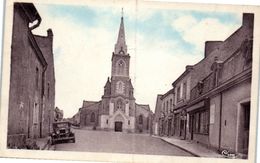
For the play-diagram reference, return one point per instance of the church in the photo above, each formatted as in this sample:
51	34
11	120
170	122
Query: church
117	109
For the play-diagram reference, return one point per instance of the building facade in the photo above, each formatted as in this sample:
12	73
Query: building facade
117	110
157	116
212	97
32	80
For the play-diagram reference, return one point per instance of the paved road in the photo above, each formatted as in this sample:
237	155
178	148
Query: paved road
117	142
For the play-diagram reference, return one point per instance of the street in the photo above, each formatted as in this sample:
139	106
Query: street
117	142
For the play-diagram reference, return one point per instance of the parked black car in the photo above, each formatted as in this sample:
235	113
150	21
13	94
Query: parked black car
62	132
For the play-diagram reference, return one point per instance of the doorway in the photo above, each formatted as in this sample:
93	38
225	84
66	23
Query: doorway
118	126
169	127
243	132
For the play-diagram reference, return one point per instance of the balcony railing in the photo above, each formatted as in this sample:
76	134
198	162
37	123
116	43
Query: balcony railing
203	86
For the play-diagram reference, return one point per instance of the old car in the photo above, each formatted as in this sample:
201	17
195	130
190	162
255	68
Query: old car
62	132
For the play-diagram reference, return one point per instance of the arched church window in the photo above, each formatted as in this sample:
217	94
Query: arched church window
119	104
140	119
121	67
120	87
92	118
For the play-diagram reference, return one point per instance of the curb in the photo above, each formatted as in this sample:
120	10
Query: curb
192	153
46	146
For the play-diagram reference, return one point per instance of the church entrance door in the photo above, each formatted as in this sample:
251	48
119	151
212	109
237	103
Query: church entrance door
118	126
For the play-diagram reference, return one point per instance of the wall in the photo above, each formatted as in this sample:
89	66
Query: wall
85	115
143	110
23	91
45	44
215	121
186	79
157	115
231	98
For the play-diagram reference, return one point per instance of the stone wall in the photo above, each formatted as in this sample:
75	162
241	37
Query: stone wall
27	102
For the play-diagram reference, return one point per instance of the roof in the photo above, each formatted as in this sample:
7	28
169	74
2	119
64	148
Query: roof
108	83
121	33
89	103
30	11
144	106
171	91
120	46
187	70
37	49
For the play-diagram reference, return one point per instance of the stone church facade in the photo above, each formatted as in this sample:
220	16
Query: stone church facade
117	110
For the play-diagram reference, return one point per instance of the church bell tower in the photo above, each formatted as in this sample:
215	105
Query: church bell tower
120	80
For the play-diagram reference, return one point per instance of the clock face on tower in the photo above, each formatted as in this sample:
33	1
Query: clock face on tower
120	87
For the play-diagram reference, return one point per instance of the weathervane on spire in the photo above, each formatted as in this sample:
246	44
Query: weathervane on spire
122	12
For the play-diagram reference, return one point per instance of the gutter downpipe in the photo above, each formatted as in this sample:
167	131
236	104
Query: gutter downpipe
220	123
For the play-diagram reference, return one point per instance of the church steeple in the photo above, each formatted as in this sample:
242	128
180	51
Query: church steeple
120	47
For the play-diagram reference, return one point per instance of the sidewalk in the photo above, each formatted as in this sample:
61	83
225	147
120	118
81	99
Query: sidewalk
191	147
45	144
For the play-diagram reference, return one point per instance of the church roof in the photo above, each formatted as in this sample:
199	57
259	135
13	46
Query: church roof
130	84
89	103
121	33
143	106
108	83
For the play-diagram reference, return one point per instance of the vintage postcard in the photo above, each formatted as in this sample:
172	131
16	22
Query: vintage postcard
129	81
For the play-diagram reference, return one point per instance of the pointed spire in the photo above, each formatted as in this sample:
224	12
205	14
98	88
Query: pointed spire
108	82
121	44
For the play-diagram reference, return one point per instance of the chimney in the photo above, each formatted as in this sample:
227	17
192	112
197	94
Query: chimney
248	20
49	33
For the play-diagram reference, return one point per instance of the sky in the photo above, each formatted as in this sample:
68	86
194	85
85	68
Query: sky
160	42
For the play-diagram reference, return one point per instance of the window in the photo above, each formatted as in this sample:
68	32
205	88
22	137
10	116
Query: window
167	106
121	67
128	122
48	90
190	122
171	105
107	121
140	119
178	93
246	116
120	87
37	78
147	126
184	90
201	122
35	113
92	118
119	104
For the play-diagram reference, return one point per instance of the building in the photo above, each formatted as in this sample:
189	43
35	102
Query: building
75	120
32	80
212	102
157	116
117	110
166	119
182	87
